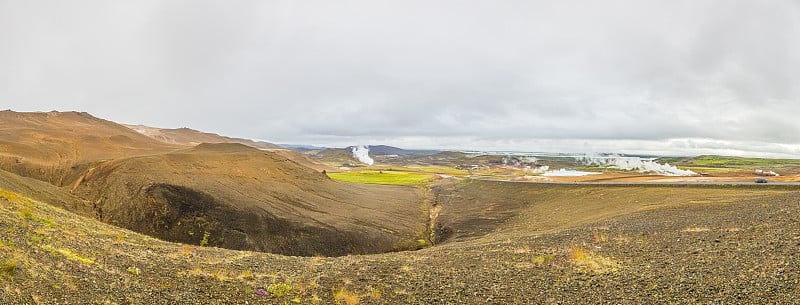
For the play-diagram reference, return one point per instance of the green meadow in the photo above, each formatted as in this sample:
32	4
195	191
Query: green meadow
391	177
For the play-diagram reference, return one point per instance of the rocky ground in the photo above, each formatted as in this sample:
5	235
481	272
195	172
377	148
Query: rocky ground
738	247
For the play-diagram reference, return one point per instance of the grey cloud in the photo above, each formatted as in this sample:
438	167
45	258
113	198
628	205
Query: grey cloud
530	75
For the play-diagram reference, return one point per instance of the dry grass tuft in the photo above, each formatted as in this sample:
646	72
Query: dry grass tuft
599	236
280	289
542	259
8	268
696	229
343	296
187	250
246	274
592	262
220	275
119	238
134	270
375	293
69	254
10	196
522	250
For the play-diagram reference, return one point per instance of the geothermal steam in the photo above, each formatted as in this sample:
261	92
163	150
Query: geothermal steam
568	173
361	153
635	163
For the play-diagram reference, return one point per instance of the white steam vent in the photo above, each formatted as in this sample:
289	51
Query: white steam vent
635	163
761	172
361	153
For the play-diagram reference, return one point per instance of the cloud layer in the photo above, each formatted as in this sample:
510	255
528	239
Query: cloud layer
677	76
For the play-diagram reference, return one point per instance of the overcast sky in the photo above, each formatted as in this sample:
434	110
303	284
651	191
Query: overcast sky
669	77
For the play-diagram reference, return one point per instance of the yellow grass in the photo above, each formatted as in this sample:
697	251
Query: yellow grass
696	229
592	262
343	296
69	254
382	177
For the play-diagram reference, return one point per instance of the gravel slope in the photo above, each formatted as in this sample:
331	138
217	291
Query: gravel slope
740	250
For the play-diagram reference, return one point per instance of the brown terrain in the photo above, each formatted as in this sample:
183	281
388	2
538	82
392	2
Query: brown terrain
92	212
227	194
57	147
500	243
190	137
248	199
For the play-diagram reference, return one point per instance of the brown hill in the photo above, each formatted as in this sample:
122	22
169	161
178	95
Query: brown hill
190	137
56	146
226	194
243	198
44	192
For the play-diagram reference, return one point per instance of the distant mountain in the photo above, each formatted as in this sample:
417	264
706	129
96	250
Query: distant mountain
301	147
191	137
385	150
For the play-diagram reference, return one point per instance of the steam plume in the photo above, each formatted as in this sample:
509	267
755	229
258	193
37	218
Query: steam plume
635	163
361	153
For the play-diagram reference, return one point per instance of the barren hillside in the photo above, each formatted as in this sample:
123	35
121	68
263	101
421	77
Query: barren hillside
190	137
694	244
227	195
245	198
57	146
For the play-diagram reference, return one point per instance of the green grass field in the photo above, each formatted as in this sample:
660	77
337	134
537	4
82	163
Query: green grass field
721	161
446	170
382	177
722	164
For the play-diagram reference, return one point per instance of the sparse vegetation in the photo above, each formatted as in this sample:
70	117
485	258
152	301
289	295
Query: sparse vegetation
204	240
696	229
134	270
119	238
346	297
68	254
246	274
8	268
10	196
26	213
375	293
280	289
542	259
589	261
186	249
599	236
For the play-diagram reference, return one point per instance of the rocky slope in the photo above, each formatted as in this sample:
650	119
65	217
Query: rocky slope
716	245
